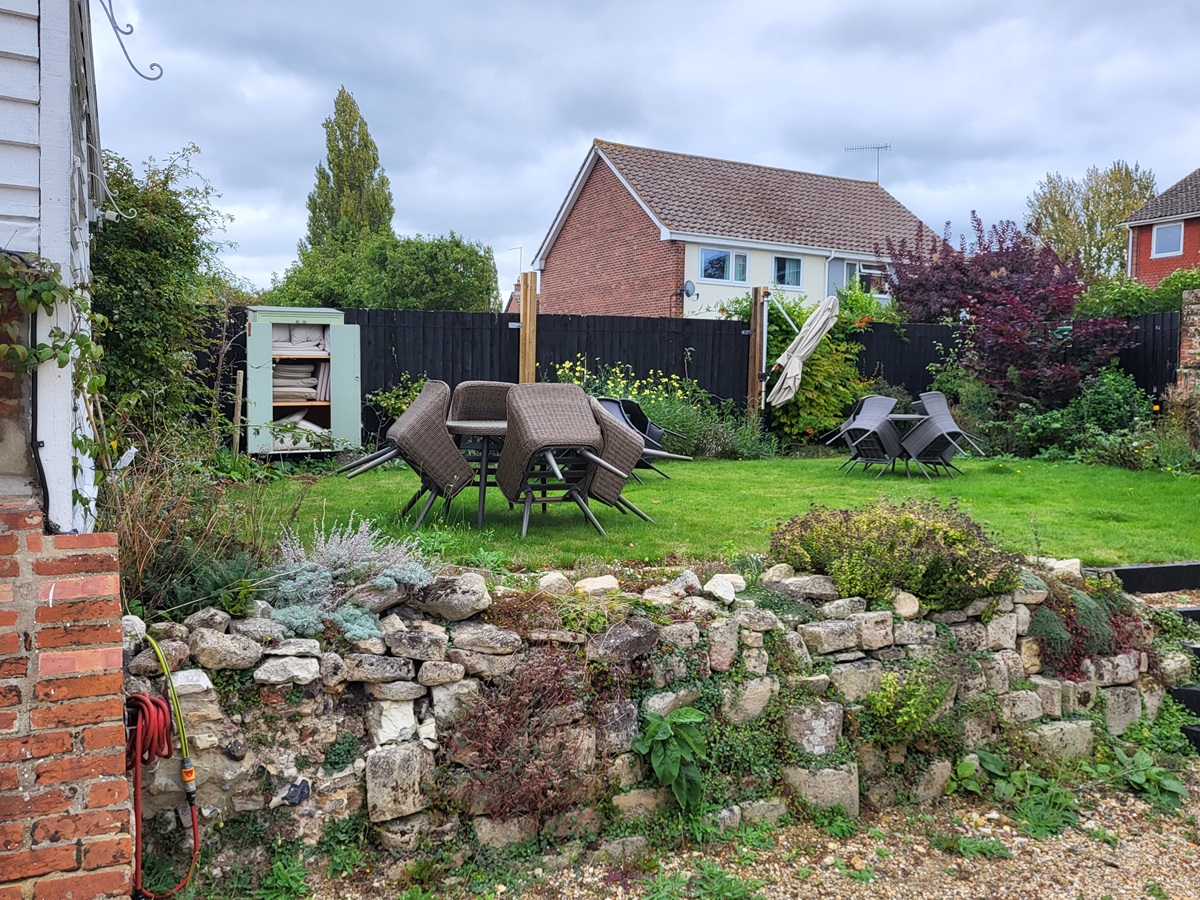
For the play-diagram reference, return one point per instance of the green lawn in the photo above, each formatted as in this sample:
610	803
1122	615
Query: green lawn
1104	516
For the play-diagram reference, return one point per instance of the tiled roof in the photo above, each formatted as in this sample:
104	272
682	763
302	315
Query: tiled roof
1179	201
699	195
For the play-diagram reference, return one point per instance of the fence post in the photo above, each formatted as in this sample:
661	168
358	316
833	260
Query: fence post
754	381
527	367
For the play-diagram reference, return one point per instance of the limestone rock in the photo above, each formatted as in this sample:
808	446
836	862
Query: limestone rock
686	583
288	670
995	674
146	662
1063	739
817	588
1152	696
481	637
1050	690
484	664
395	775
623	642
499	833
133	631
421	645
816	727
372	646
777	573
1123	708
1176	668
971	636
770	810
622	851
1020	706
932	783
1023	618
556	636
794	644
684	635
720	589
824	788
857	679
454	598
1031	591
451	701
738	581
667	702
394	691
756	619
829	637
1030	650
700	606
1123	668
258	629
661	595
813	685
948	617
750	638
874	629
373	669
389	721
168	631
333	670
755	660
434	672
626	770
616	726
914	633
306	647
722	644
598	587
640	803
746	701
841	608
555	583
906	605
210	617
218	650
1002	632
191	681
406	834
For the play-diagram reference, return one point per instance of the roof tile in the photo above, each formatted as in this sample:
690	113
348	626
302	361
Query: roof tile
1179	201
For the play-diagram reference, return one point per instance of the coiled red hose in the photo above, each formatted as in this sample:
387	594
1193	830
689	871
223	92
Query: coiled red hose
149	719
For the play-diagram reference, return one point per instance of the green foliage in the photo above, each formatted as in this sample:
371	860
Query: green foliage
392	402
1109	401
1154	890
1141	774
158	284
1172	630
1084	217
933	551
907	703
1044	806
834	821
969	847
370	270
350	186
711	882
1116	297
231	584
32	285
285	880
344	842
679	404
340	754
674	748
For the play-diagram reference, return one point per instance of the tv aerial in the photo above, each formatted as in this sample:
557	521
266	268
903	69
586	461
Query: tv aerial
876	148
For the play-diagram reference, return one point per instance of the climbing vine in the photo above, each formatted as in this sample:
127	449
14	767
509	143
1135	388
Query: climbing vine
29	286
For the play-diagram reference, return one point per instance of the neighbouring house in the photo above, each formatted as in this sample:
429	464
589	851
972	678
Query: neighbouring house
637	224
1164	235
50	192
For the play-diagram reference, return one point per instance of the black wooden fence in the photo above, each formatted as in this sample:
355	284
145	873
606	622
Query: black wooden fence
454	346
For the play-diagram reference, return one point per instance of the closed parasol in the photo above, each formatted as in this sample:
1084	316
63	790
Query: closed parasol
792	359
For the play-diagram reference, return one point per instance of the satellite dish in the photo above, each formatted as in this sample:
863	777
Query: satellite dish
689	289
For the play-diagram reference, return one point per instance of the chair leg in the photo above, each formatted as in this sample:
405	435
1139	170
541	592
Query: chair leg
624	502
413	501
425	509
636	478
650	465
485	445
525	517
587	513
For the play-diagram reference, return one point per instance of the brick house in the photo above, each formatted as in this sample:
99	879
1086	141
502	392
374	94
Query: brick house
1164	235
65	813
639	223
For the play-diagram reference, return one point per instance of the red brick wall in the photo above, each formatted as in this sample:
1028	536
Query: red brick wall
608	259
1187	376
1151	271
65	814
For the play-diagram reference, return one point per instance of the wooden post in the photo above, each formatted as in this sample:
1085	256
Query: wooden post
238	389
754	386
528	363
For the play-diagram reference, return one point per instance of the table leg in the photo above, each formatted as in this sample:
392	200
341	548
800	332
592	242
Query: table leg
485	446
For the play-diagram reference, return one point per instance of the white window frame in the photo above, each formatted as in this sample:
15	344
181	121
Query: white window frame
1154	254
733	254
775	271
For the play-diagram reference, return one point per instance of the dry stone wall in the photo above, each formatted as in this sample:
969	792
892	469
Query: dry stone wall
380	725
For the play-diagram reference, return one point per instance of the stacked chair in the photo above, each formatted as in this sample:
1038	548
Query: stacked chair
623	447
474	409
419	437
631	414
551	450
872	438
933	443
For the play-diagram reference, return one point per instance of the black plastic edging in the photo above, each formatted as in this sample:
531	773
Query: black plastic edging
1154	578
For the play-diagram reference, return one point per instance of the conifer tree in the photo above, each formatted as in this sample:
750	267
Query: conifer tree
350	186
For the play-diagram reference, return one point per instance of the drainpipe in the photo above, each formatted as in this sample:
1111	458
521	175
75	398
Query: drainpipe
828	260
1129	256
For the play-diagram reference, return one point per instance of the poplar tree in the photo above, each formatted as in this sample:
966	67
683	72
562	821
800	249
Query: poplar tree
350	186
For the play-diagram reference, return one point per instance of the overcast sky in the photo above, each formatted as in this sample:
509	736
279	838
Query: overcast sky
484	111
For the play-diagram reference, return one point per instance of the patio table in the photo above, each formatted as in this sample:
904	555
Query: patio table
487	430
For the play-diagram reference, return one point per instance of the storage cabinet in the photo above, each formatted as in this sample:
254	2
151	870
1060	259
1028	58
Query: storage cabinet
303	385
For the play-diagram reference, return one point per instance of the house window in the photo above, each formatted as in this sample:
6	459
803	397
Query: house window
1168	240
722	265
871	278
788	271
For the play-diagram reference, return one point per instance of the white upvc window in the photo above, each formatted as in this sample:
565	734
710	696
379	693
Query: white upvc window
722	265
871	277
1167	240
789	271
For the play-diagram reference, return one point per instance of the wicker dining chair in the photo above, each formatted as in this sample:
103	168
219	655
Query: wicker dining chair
550	449
622	448
485	400
419	437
